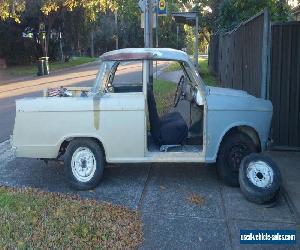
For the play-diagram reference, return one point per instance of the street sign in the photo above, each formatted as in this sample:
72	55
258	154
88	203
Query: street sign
142	4
162	8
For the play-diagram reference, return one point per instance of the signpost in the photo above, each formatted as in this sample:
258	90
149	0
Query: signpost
147	9
149	19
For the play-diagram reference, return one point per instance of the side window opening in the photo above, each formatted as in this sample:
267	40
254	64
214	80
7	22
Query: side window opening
127	76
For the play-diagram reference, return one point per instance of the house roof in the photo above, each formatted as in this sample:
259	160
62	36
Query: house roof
144	54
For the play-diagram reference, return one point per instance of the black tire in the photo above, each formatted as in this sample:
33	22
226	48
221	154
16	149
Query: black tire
253	192
94	178
234	147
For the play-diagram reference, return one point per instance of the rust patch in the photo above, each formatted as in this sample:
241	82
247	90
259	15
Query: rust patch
128	56
96	111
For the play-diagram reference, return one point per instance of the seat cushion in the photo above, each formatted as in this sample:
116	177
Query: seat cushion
170	117
173	130
170	129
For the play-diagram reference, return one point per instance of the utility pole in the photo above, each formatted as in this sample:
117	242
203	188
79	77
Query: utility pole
147	27
156	20
148	38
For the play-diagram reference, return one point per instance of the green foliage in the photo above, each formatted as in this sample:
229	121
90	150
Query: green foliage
11	9
232	12
174	66
13	47
84	21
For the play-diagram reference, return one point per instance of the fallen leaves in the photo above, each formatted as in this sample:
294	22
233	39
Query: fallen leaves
196	199
34	219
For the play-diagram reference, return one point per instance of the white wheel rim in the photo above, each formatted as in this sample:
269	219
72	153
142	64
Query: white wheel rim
260	174
83	164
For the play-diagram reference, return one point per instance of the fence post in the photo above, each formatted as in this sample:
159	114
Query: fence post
265	55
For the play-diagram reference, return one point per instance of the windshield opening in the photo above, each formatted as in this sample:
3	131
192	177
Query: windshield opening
104	73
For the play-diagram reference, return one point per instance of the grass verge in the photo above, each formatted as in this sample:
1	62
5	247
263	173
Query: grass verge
32	69
164	92
207	77
34	219
205	74
173	66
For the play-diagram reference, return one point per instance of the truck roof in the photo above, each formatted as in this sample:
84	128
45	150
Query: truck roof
145	54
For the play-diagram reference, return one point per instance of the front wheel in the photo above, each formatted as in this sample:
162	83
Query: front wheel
234	147
84	164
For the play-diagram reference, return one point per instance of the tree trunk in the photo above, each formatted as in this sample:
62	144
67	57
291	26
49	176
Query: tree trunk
205	36
92	43
47	38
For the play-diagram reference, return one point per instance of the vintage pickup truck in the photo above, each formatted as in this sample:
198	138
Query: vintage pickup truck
110	123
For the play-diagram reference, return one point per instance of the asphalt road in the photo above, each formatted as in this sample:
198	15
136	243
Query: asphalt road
33	87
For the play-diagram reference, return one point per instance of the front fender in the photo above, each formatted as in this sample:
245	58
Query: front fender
220	122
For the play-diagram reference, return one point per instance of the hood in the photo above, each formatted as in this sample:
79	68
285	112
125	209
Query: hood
231	99
227	92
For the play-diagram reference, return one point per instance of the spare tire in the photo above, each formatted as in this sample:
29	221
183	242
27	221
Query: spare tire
259	178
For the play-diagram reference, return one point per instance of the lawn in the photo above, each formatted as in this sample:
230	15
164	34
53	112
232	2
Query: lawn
164	92
34	219
32	69
207	77
205	74
174	66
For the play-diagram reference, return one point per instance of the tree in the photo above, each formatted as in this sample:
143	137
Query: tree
232	12
11	9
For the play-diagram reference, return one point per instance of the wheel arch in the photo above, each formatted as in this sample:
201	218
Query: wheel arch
246	129
65	142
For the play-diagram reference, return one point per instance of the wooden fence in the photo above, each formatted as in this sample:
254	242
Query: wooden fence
236	56
284	91
265	63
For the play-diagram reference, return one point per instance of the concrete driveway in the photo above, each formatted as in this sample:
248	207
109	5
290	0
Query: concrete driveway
162	193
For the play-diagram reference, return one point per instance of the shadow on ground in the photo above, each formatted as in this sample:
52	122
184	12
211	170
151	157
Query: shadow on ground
162	192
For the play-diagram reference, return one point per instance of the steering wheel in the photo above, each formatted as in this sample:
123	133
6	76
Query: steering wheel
179	91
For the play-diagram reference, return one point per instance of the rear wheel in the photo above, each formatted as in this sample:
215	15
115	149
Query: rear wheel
84	164
234	147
